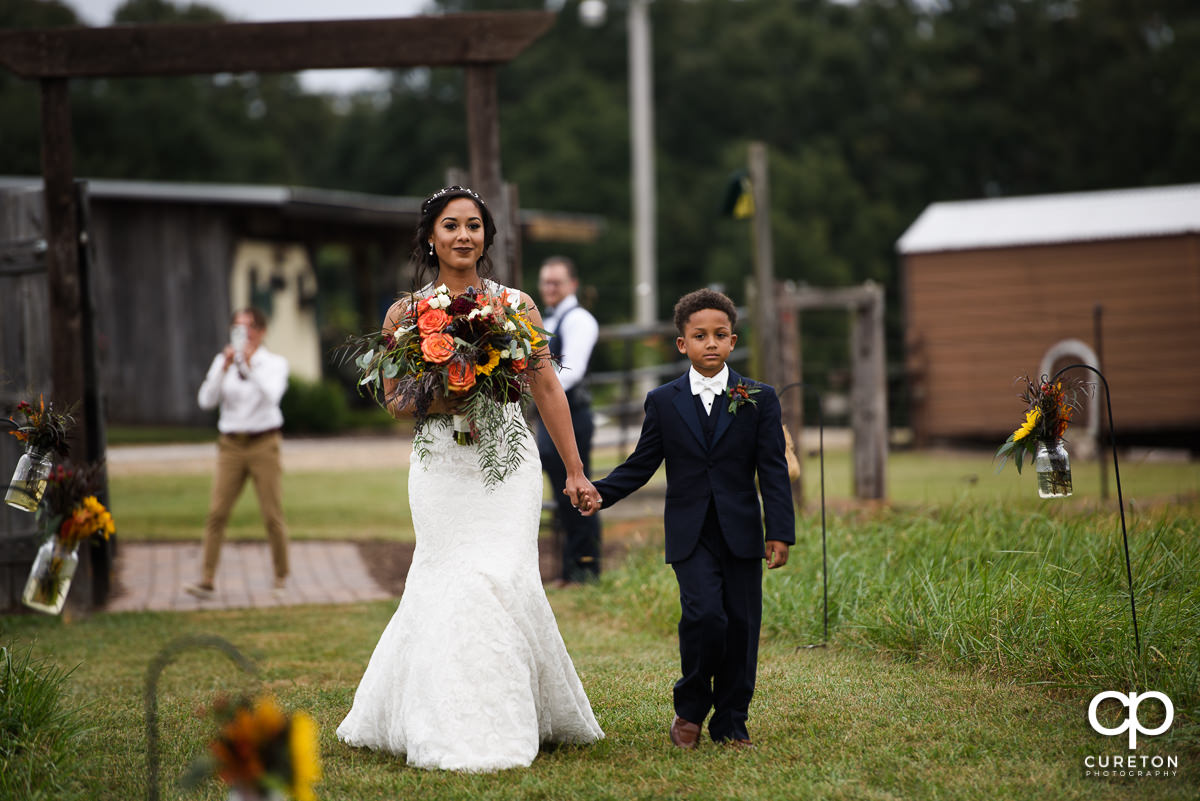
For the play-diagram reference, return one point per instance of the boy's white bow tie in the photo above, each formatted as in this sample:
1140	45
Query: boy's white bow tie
714	385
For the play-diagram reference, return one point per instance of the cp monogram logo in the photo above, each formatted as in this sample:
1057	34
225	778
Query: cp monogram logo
1131	723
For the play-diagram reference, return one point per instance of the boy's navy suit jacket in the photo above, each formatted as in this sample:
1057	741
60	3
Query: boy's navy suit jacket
744	445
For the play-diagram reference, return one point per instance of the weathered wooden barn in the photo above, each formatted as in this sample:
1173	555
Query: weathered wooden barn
997	289
172	259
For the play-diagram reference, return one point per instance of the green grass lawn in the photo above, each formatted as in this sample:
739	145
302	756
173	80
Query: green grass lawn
965	643
373	504
836	723
970	623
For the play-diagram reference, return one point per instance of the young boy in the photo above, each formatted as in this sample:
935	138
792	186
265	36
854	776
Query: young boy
716	431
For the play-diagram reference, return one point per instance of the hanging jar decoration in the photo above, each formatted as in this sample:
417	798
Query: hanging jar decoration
1053	468
51	575
28	482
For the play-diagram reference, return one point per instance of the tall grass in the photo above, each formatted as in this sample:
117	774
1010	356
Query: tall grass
38	731
1033	598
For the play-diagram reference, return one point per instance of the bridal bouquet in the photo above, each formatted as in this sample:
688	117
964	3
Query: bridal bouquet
477	347
261	751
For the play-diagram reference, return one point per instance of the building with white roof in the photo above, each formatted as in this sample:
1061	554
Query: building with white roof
1000	288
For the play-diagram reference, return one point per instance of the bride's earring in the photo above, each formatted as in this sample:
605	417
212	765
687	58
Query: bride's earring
430	248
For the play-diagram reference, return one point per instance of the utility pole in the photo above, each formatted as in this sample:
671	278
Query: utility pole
641	124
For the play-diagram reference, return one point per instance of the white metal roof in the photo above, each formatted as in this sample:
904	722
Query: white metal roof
1050	219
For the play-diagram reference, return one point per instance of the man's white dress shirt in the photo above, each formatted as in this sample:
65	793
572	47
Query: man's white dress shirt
579	332
248	405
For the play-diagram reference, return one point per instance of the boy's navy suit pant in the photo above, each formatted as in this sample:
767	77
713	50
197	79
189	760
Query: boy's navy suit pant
720	599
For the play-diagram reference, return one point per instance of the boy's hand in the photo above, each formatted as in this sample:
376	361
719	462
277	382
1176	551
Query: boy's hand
777	554
584	497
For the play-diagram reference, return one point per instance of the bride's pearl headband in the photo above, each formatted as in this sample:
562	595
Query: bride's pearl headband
429	200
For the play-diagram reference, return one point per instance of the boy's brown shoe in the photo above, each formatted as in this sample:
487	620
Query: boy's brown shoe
684	734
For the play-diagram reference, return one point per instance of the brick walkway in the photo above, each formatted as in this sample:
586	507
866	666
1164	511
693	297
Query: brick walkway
151	576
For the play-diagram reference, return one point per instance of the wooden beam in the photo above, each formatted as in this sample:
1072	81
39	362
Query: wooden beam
483	145
140	50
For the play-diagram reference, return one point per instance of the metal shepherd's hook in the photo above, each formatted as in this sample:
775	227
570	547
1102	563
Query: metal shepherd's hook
824	556
165	657
1112	436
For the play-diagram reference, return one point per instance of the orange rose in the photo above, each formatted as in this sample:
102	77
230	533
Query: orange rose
422	306
460	376
519	365
432	321
437	348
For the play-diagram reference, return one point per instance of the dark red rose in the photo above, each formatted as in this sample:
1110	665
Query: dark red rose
461	305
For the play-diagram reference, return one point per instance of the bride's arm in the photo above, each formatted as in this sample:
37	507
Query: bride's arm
556	415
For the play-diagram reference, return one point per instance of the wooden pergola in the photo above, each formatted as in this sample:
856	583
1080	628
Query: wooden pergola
477	42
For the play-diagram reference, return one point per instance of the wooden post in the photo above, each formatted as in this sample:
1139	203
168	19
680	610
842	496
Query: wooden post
101	553
62	255
766	323
791	372
512	201
869	395
66	290
483	142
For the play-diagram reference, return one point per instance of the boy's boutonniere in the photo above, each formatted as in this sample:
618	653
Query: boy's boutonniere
741	394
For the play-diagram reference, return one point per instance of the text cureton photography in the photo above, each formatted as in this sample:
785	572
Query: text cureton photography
1130	765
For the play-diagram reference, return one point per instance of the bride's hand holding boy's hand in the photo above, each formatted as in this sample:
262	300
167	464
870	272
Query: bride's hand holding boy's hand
584	497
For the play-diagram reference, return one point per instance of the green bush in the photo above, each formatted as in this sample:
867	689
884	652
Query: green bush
314	407
38	751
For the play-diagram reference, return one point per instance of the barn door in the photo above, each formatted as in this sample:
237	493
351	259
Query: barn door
24	364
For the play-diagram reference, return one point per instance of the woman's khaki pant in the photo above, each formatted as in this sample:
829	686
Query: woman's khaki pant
240	457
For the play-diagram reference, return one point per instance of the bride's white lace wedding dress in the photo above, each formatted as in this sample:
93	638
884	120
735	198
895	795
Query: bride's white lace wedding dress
471	673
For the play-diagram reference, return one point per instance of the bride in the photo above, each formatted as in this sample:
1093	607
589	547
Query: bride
471	673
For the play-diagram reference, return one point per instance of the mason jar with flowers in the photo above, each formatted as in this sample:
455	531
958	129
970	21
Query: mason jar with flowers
1048	409
260	752
70	515
44	434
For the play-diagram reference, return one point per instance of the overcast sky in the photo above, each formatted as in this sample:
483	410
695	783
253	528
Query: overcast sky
100	12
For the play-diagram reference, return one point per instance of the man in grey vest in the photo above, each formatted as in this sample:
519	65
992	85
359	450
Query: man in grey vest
573	333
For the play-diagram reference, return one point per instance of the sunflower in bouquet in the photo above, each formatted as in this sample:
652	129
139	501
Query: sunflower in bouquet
477	347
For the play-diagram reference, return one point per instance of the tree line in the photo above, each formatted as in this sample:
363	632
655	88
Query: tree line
871	110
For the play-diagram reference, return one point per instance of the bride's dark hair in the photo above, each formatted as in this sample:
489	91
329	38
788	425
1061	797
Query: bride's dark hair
426	263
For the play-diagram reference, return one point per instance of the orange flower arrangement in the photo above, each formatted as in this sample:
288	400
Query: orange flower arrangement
1048	410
